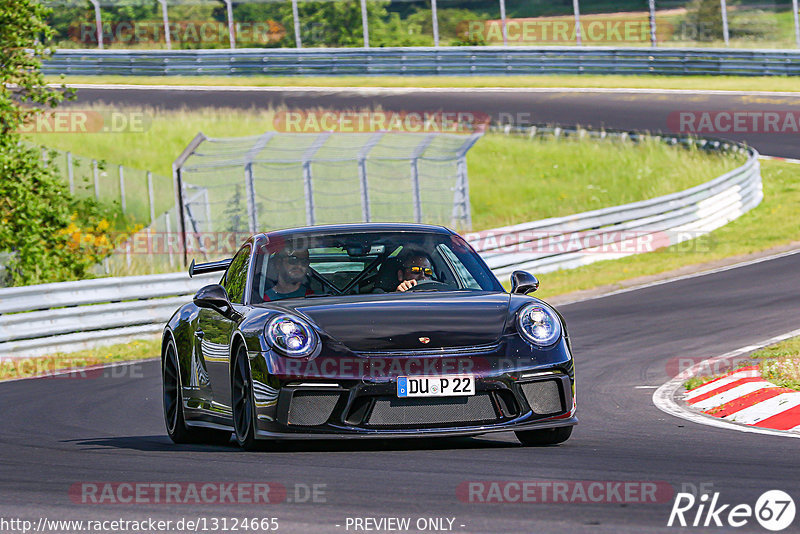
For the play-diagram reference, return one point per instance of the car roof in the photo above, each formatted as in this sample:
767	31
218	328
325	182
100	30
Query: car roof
361	227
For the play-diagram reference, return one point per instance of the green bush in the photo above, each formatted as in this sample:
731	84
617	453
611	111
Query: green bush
48	235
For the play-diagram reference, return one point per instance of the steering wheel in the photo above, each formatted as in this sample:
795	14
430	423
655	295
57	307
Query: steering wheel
430	285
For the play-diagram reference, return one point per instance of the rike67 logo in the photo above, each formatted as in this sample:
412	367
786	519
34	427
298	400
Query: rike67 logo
774	510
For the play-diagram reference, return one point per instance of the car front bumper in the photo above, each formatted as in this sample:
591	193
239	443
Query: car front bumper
529	393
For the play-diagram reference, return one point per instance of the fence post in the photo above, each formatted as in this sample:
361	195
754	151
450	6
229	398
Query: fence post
98	23
70	174
151	198
250	191
308	184
362	174
249	181
231	23
296	16
435	20
796	23
44	157
96	176
165	17
415	189
365	23
122	189
577	9
503	22
461	197
653	41
724	10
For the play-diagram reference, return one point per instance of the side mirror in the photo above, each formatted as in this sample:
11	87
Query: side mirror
215	297
523	282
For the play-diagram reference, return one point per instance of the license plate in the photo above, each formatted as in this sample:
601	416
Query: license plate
435	386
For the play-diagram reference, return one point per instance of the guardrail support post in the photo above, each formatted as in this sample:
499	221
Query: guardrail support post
503	22
231	23
724	10
365	22
151	198
296	17
98	23
96	176
122	188
70	174
653	42
165	17
435	20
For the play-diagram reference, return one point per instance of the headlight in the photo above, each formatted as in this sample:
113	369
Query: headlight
291	336
539	324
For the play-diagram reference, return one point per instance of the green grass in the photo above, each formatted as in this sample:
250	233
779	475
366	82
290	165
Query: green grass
719	83
512	179
780	363
50	364
773	223
697	381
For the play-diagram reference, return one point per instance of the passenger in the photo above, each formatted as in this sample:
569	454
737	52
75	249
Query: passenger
292	269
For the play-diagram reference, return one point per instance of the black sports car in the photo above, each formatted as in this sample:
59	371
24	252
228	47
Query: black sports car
365	330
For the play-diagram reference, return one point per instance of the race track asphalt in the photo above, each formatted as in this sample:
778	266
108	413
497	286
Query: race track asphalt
57	432
655	111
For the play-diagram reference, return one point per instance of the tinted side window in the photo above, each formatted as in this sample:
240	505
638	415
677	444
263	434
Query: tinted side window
236	276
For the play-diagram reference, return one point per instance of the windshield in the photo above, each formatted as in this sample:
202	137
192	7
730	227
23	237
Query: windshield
314	265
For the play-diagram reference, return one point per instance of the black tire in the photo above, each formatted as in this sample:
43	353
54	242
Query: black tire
547	436
242	403
172	401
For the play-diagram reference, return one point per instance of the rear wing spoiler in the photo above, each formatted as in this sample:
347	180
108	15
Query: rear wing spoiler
210	267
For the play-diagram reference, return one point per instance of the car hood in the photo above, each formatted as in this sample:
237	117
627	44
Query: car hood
403	321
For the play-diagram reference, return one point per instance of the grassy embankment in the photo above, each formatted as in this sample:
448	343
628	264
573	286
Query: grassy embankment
695	83
539	179
779	364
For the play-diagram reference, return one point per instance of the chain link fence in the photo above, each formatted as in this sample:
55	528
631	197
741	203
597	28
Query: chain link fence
168	24
279	180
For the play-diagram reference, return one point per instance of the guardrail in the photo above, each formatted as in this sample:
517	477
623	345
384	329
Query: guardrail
70	316
576	240
454	61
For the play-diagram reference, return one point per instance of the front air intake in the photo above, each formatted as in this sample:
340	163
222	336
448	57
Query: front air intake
311	408
544	397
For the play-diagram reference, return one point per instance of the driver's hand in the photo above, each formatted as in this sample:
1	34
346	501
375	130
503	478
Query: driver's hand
405	286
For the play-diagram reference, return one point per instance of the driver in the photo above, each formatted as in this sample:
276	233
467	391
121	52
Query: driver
292	268
416	268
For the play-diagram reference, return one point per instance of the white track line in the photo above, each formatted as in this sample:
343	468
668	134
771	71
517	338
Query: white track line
664	396
416	90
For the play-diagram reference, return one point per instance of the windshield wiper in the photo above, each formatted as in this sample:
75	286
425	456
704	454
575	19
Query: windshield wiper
314	295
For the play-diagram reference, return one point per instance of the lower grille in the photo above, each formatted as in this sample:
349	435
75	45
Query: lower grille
544	396
397	412
311	408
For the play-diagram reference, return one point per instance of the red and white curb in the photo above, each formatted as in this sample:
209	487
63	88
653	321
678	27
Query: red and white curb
740	400
742	396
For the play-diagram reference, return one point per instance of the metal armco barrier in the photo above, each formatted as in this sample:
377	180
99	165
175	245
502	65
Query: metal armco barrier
453	61
70	316
609	233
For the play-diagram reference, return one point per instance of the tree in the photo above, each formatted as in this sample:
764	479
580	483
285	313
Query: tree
49	235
